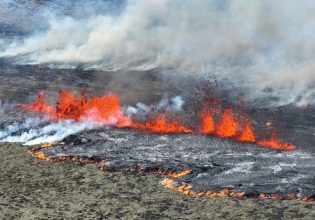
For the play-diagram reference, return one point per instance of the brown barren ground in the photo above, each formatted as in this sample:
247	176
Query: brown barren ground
35	189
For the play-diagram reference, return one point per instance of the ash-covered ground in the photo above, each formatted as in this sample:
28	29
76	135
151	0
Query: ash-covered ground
215	163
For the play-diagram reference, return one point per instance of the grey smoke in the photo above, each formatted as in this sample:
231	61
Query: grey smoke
40	130
171	105
266	47
15	126
53	132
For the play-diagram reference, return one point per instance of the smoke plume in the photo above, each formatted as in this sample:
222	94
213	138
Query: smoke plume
266	48
52	132
171	105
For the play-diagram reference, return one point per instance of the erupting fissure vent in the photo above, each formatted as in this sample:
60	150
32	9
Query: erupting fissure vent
227	127
247	133
107	110
207	122
162	124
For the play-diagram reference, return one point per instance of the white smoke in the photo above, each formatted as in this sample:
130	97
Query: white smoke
15	126
53	132
171	105
40	130
266	47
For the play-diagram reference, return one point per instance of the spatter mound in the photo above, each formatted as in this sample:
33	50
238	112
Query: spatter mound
214	164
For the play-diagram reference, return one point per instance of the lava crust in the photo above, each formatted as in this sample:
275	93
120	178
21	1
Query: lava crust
215	163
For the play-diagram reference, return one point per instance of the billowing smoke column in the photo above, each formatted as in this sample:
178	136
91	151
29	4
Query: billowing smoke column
264	47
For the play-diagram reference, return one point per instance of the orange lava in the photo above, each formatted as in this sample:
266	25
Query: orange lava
49	144
276	144
69	106
179	174
187	189
42	156
39	105
207	122
162	124
184	188
247	134
107	111
228	125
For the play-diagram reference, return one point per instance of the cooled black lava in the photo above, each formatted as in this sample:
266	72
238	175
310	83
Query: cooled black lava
215	163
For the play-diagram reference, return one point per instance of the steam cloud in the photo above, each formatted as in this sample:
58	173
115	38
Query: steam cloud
172	105
38	130
264	47
34	134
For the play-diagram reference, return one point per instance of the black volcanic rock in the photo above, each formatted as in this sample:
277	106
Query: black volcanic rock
215	163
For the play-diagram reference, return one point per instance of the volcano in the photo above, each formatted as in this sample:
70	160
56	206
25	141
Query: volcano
203	146
158	102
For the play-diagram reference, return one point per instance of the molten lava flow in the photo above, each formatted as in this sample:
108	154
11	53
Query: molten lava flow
106	106
247	133
276	144
42	156
105	109
228	125
176	175
187	189
207	122
162	124
39	105
69	106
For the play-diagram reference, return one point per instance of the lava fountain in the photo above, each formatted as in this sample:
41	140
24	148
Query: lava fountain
107	110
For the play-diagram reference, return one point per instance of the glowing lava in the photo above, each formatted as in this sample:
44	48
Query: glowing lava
276	144
176	175
168	182
162	124
187	189
207	122
107	110
247	133
228	125
39	105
